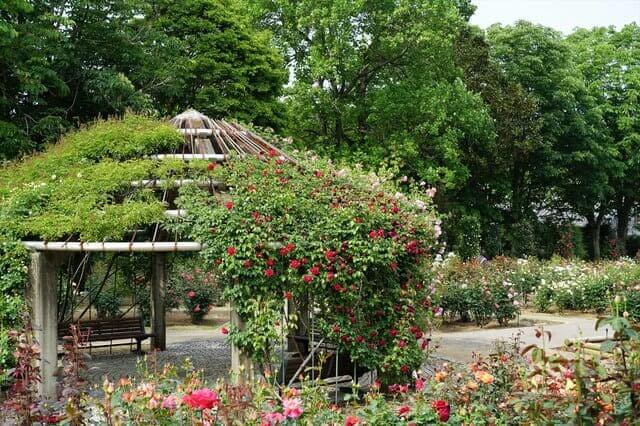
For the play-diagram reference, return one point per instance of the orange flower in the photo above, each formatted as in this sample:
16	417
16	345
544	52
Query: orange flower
440	376
484	377
472	385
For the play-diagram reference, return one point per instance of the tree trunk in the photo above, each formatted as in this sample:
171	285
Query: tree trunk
595	241
623	213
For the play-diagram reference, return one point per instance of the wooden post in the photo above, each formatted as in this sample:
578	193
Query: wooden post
158	292
44	316
241	364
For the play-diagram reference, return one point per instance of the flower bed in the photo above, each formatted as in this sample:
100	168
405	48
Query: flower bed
499	289
512	386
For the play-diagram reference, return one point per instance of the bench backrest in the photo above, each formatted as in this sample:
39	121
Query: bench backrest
107	328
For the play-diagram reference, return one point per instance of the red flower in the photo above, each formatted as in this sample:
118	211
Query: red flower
404	411
202	399
373	234
359	339
269	272
224	330
404	369
247	264
279	161
330	255
419	384
294	264
211	166
315	270
330	276
345	339
318	173
393	332
270	262
288	295
442	408
231	251
402	344
307	278
336	329
337	287
273	153
229	205
351	421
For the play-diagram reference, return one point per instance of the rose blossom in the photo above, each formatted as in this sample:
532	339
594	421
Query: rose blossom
442	409
273	418
170	403
191	294
202	399
404	411
231	251
292	407
351	421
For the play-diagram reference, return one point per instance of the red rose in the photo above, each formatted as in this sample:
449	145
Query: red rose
294	264
402	344
393	332
273	153
307	278
247	264
404	369
202	399
359	339
270	262
315	270
288	295
330	276
269	272
442	408
345	339
336	329
318	173
231	251
351	421
330	255
404	411
224	330
211	166
373	234
229	205
337	287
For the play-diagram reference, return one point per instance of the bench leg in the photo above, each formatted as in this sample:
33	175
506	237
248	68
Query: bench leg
139	347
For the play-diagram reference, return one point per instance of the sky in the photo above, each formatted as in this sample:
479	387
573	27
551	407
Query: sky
563	15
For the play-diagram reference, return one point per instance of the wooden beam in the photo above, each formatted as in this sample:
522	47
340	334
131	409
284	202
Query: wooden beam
189	157
42	298
158	294
143	247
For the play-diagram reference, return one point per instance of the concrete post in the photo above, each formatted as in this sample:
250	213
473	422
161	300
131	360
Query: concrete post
44	316
158	292
241	364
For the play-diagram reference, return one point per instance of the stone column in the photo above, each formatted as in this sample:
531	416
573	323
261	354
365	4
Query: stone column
158	292
42	296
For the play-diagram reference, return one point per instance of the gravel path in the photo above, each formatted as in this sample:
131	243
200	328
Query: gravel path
212	355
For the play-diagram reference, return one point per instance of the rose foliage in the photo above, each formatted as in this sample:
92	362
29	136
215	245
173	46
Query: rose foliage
345	242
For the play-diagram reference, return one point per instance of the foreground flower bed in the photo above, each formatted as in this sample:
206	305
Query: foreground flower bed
512	386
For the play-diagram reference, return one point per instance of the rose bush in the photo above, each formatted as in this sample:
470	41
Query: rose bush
348	243
196	288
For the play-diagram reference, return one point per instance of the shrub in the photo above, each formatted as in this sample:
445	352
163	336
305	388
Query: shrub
197	289
107	304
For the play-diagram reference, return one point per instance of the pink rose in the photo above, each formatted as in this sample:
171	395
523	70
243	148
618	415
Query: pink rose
191	294
273	418
170	403
292	407
202	399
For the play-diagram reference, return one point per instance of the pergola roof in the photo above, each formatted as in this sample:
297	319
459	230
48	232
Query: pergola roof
205	139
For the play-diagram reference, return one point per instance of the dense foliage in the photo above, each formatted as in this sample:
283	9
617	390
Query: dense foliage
340	240
65	63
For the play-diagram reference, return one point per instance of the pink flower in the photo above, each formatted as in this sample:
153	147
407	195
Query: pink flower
170	403
292	407
197	308
351	421
419	384
191	294
202	399
273	418
404	411
294	264
307	278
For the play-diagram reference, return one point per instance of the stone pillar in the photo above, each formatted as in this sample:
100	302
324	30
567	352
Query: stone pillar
158	292
43	299
241	364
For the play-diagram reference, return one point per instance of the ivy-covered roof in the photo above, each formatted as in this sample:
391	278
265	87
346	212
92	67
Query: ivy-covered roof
80	189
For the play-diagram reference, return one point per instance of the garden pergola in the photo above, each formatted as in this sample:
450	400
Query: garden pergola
205	139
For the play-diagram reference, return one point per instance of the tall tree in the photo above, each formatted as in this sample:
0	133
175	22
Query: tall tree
610	63
206	54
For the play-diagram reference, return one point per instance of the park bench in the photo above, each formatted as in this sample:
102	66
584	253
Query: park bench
122	331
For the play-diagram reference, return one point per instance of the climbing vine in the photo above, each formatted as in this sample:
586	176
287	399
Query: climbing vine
347	242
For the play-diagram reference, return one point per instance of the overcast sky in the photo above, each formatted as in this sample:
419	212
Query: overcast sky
563	15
